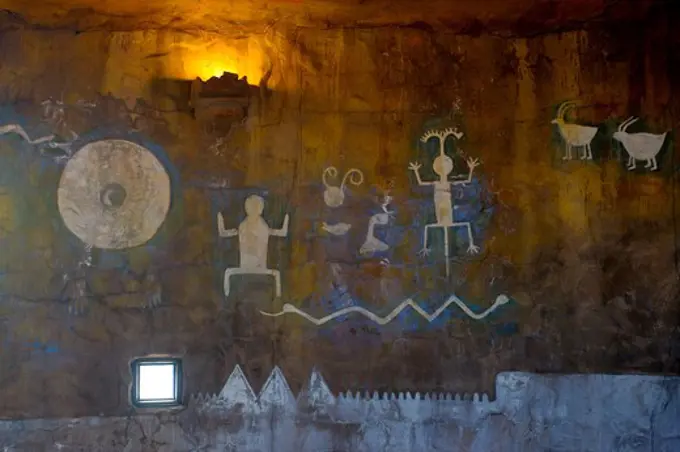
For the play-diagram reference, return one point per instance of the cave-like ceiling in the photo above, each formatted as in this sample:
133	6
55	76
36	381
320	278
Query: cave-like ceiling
468	16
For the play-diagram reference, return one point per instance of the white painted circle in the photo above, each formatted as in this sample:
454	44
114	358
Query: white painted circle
114	194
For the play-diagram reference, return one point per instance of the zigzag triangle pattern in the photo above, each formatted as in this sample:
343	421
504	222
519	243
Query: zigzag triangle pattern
276	392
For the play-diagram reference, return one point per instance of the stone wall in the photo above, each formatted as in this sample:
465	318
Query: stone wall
531	413
570	265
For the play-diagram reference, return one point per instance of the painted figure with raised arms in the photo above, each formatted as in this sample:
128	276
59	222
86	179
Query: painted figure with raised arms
253	234
443	201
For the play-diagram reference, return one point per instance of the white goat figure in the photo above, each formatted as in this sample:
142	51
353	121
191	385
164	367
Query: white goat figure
640	146
575	135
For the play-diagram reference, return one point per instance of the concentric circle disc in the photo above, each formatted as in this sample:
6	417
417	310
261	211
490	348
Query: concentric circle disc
114	194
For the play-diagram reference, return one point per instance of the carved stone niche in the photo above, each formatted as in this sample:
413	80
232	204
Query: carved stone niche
221	102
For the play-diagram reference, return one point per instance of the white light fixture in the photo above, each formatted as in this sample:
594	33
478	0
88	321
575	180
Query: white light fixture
156	382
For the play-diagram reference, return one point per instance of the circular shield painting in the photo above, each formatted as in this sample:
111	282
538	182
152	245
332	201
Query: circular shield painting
114	194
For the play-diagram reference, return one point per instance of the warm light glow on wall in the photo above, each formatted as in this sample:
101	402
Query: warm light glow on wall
207	68
130	70
211	59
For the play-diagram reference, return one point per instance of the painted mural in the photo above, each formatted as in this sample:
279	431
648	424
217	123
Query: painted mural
372	244
453	300
106	200
334	196
248	261
113	194
253	234
443	202
359	229
640	146
624	146
575	136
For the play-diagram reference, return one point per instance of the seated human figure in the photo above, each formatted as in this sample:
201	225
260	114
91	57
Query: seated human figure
253	233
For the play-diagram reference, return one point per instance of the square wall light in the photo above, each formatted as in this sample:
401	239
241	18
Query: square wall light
156	382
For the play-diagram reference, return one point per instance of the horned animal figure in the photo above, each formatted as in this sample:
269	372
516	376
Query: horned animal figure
574	135
640	146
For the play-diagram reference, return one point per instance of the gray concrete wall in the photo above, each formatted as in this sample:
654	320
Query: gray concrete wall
531	413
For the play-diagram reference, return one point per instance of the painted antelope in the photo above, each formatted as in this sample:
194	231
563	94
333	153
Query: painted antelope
639	146
574	135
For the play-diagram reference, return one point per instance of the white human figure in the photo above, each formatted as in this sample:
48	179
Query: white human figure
253	234
372	244
443	202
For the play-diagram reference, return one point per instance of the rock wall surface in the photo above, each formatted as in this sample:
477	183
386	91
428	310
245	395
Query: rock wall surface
551	246
532	413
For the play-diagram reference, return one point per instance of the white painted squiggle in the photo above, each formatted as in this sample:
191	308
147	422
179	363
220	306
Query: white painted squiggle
290	309
17	129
